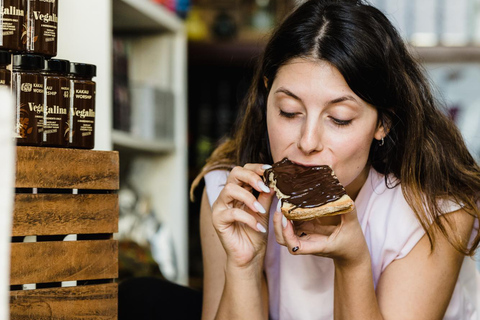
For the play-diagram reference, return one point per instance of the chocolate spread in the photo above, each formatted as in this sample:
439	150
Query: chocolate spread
305	187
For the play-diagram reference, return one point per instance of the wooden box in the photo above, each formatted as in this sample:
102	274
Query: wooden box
62	192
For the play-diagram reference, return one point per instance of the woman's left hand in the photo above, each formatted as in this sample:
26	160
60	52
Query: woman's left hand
338	237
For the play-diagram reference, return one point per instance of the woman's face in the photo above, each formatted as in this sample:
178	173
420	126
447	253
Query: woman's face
314	118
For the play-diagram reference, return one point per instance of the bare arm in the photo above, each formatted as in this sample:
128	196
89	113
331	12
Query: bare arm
214	261
418	286
244	294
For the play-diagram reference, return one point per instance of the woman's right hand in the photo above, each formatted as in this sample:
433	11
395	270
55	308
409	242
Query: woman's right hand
240	219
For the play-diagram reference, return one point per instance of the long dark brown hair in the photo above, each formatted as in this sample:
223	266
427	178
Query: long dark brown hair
423	149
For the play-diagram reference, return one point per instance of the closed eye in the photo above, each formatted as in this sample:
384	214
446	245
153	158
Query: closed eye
288	115
341	123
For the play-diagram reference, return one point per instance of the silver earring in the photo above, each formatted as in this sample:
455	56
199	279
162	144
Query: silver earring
382	142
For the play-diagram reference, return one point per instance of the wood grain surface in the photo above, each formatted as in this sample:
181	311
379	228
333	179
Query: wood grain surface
95	302
54	214
53	261
66	168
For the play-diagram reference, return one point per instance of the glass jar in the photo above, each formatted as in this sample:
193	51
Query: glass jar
82	105
12	24
56	102
41	31
27	88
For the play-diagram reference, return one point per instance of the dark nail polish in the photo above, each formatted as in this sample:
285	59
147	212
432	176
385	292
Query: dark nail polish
295	249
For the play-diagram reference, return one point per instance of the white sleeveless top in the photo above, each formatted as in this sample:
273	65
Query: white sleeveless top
301	287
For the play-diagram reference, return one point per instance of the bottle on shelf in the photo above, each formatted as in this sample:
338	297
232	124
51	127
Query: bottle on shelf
56	102
40	36
12	25
82	106
28	90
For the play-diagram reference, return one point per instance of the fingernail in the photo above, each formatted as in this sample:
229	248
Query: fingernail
259	207
284	221
263	187
266	166
295	249
261	228
279	206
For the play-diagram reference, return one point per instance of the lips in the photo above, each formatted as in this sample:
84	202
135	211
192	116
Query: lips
308	164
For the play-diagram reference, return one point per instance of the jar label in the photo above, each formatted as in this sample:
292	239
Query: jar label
28	95
82	116
41	33
11	24
56	111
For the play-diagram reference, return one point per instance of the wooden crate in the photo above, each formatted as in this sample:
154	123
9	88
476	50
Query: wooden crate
61	192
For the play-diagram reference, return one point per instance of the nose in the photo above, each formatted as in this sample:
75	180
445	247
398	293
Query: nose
310	141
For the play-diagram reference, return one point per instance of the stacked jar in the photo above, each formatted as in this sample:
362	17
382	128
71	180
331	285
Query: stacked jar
55	106
56	102
28	94
82	105
29	26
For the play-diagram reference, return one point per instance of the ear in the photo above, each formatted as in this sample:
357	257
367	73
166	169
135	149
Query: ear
382	129
265	82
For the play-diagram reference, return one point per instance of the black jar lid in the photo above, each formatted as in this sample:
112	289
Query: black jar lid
5	58
28	62
83	69
57	66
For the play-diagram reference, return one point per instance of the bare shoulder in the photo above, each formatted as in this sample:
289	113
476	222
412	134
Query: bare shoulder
420	285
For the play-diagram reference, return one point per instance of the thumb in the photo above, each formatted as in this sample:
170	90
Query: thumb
266	200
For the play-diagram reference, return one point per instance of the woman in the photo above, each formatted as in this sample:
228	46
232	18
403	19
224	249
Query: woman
337	86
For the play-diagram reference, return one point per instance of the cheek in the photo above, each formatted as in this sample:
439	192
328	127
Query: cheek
280	135
351	156
277	138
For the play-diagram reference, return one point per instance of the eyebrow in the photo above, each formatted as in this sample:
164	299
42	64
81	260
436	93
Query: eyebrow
328	103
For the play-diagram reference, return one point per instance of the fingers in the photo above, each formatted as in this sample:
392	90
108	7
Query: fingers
232	194
292	241
234	199
278	221
309	238
249	175
228	217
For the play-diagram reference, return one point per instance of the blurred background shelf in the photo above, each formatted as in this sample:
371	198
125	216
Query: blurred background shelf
444	54
140	16
153	172
128	142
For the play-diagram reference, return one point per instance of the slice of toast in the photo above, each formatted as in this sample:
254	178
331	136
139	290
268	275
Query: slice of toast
307	193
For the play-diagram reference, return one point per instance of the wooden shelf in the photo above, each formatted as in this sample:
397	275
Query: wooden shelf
134	16
125	141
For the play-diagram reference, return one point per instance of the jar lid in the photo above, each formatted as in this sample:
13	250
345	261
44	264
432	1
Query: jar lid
28	62
57	65
83	69
5	58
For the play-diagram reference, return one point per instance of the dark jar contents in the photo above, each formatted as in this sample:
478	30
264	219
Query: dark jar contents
5	74
41	32
12	24
56	102
27	88
82	106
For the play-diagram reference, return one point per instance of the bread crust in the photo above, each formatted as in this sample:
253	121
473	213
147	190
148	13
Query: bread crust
341	206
